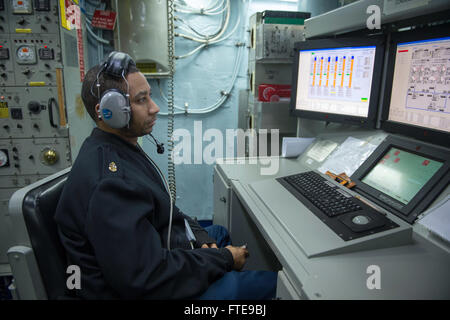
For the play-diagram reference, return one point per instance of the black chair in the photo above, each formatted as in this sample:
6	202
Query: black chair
38	261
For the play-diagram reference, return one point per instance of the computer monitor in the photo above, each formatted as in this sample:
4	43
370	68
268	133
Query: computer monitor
337	80
417	97
404	175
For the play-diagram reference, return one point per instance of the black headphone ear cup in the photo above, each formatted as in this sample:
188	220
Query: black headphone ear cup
117	63
114	109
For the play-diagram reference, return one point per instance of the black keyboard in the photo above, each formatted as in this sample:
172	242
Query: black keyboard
323	194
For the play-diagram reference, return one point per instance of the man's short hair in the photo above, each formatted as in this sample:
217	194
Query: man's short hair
91	99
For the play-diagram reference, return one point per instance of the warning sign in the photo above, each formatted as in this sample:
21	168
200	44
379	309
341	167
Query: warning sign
104	19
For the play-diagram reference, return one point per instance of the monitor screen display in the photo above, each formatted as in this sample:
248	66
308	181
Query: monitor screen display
401	174
421	84
336	80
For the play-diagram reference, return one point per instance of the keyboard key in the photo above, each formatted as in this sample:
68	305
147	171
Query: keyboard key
323	194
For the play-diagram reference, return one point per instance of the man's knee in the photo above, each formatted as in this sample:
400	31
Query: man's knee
217	228
243	285
220	234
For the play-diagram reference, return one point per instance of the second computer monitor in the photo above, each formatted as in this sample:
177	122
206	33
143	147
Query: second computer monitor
337	80
417	96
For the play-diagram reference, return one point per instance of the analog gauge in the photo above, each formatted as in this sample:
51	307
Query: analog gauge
22	7
26	55
3	158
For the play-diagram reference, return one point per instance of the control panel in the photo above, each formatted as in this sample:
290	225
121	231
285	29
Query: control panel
29	16
34	132
7	77
39	156
35	59
30	112
4	25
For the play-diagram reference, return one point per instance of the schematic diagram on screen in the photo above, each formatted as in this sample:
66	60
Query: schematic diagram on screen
429	78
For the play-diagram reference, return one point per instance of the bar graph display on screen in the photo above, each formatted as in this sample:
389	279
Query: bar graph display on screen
421	84
339	80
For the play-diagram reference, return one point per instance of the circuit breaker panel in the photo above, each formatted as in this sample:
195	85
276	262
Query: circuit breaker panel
34	132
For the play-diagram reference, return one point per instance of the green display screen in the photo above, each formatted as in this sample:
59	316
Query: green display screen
401	175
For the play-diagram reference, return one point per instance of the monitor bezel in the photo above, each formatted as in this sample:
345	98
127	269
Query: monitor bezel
422	133
366	122
427	193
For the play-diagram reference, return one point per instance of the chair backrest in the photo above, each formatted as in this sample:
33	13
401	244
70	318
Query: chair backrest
38	209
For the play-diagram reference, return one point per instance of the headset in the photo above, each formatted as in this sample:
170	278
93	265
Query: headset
115	108
159	145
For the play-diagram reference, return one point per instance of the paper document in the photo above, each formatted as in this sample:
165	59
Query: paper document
348	156
293	147
321	150
437	219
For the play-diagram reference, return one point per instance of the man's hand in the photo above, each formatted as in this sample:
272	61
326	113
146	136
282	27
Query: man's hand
240	255
210	245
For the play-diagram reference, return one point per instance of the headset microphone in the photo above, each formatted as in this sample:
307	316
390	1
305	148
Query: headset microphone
159	146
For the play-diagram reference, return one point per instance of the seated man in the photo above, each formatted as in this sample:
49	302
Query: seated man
114	216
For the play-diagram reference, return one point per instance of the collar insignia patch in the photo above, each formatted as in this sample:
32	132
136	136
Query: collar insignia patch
112	166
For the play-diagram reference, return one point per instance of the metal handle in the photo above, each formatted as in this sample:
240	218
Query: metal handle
50	104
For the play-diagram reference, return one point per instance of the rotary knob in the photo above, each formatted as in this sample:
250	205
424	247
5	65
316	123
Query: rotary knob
49	156
34	107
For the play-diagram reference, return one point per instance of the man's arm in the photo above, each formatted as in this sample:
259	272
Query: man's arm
130	253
